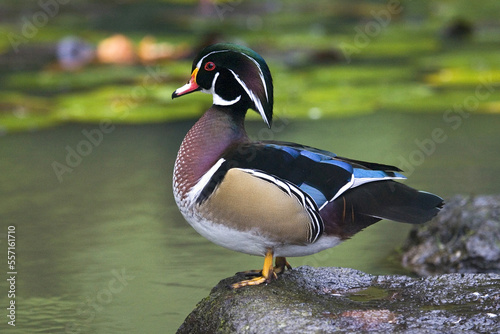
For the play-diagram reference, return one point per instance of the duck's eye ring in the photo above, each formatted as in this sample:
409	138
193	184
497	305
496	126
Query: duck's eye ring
210	66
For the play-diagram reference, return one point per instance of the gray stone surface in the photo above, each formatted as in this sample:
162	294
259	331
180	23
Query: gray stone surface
463	238
340	300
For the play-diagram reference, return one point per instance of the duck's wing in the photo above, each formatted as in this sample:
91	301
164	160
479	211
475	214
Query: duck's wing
340	194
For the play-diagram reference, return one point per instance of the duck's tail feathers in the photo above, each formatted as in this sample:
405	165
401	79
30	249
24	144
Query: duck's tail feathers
362	206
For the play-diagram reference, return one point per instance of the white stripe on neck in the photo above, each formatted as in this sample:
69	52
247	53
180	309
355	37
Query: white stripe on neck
217	99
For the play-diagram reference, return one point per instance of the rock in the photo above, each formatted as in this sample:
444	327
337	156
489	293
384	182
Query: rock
340	300
463	238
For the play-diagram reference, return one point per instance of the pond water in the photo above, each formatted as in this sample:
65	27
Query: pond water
102	248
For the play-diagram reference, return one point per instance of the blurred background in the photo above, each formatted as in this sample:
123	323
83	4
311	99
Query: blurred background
89	134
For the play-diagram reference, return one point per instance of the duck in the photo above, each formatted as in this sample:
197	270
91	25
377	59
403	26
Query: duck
274	199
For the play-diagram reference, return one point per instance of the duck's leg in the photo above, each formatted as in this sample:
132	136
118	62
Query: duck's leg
267	274
281	263
279	268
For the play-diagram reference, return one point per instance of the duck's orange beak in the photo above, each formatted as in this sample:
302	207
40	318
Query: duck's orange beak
190	87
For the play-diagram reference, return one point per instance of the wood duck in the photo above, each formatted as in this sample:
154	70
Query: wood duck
270	198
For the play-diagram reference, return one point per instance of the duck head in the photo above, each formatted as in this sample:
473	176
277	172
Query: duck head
236	76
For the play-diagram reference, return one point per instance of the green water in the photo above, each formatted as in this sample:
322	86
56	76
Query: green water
105	250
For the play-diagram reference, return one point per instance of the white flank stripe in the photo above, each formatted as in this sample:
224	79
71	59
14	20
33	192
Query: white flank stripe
196	190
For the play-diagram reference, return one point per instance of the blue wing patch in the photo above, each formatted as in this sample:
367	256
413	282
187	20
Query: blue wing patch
315	194
359	173
313	156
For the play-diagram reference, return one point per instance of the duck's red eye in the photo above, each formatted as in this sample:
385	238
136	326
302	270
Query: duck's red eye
210	66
